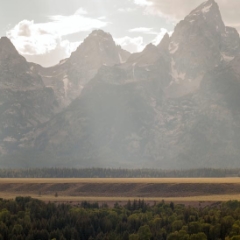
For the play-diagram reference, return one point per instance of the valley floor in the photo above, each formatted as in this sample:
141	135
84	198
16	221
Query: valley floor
183	190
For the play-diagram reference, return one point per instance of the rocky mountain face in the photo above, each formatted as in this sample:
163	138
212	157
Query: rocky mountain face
200	43
69	77
175	105
24	100
15	71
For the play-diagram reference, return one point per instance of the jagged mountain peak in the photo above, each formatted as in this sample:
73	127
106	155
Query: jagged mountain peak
98	49
100	33
97	43
101	43
204	21
206	7
149	47
200	43
5	41
148	56
11	59
207	13
70	76
205	24
99	36
163	46
165	41
7	48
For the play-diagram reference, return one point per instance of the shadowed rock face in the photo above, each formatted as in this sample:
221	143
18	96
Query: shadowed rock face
200	43
24	100
175	105
15	72
69	77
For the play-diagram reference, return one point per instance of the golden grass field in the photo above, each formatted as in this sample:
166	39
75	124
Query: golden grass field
122	190
234	180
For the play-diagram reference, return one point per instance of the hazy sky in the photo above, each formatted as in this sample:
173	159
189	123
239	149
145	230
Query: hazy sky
46	31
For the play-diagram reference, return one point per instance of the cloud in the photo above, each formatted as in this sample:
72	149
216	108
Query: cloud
137	44
130	44
172	10
32	38
70	46
102	18
143	30
62	51
175	10
129	10
66	25
143	2
81	11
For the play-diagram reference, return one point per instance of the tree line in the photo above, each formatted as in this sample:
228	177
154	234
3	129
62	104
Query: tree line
29	219
116	173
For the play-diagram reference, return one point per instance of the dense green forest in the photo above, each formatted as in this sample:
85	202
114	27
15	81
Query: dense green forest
29	219
115	173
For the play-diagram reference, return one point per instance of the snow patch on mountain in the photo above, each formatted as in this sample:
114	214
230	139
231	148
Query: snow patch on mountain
227	58
66	85
120	58
206	9
133	66
177	76
173	47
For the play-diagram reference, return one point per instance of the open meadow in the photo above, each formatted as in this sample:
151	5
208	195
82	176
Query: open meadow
122	190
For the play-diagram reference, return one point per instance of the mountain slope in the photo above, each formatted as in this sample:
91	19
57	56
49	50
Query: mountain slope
24	101
69	77
172	105
200	43
175	105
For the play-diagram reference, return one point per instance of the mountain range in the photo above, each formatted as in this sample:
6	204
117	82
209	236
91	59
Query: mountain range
172	106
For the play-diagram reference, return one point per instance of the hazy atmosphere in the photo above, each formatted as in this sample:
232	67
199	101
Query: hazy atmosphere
120	84
47	31
119	120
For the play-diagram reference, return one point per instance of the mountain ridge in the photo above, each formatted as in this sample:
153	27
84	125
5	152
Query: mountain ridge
174	105
69	77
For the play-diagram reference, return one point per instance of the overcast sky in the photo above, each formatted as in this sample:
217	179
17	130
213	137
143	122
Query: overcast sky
46	31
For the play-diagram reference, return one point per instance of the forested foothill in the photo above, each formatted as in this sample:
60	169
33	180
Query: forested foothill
30	219
116	173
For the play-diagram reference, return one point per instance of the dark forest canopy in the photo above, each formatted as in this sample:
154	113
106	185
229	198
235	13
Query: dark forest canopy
29	219
116	173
